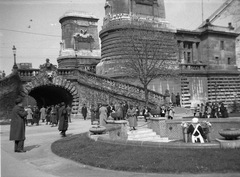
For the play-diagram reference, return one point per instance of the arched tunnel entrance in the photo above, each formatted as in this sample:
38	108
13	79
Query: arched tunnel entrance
47	95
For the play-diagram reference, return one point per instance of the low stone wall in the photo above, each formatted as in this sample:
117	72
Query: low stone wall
158	125
173	130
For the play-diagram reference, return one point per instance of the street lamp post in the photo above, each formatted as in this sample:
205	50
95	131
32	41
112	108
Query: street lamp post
15	67
76	60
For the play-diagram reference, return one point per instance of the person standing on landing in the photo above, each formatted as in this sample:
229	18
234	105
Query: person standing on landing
17	127
131	113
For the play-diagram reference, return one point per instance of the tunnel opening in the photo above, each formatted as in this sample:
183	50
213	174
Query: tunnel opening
48	95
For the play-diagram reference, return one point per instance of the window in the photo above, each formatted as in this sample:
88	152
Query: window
222	45
188	57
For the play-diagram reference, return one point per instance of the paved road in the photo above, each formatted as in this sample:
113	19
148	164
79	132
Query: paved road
39	161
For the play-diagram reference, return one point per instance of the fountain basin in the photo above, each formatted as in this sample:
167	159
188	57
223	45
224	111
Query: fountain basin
230	133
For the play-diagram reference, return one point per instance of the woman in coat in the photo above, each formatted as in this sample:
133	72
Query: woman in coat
17	127
132	118
54	116
63	119
36	115
29	115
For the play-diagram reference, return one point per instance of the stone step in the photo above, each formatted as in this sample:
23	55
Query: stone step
152	134
140	131
151	139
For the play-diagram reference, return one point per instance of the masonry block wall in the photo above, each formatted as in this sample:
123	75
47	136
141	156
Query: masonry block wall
10	90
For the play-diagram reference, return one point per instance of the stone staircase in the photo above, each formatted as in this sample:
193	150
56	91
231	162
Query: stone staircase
145	134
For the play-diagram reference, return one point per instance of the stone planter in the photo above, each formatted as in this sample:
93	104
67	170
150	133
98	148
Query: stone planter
230	134
97	130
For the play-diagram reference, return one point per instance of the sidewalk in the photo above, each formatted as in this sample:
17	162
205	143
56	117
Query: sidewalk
39	161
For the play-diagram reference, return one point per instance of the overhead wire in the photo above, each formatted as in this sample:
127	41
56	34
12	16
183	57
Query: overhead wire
25	32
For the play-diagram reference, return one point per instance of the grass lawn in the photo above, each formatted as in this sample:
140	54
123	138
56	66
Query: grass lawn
147	159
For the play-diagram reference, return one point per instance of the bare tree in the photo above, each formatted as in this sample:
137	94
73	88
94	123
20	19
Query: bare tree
234	11
149	53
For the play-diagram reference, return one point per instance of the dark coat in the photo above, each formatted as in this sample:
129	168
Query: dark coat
63	119
84	111
17	128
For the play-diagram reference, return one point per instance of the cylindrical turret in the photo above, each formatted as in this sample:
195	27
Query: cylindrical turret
119	15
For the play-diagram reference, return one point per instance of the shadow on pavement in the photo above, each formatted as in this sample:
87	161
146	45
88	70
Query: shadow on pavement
29	148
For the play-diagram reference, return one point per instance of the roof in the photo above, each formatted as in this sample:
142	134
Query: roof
78	14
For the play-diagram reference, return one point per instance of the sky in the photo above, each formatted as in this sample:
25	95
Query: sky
33	25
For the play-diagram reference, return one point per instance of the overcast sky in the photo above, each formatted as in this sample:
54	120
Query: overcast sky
33	25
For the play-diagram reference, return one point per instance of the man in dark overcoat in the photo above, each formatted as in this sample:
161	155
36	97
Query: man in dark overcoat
84	111
17	127
63	119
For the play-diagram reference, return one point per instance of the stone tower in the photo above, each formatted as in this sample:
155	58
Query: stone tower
80	42
119	14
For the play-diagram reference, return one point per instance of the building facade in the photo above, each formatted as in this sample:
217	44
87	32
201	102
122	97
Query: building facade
206	56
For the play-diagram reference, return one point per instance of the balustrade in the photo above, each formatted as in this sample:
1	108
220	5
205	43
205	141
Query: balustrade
108	84
193	67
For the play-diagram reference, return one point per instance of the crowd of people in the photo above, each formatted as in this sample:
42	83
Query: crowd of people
211	110
49	115
124	111
54	115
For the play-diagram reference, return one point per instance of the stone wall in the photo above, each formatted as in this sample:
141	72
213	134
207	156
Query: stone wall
10	90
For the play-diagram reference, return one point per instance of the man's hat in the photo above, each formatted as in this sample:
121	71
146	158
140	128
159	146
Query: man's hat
195	120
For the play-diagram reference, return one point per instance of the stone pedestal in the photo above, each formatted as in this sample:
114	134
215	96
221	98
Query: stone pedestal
158	125
115	132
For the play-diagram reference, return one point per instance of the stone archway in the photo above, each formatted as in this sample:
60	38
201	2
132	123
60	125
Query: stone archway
49	89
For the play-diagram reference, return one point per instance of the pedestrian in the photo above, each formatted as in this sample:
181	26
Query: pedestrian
110	109
125	109
178	100
137	112
57	110
103	115
132	119
223	111
197	111
163	111
208	111
146	113
69	111
17	127
173	99
63	120
93	113
48	115
170	111
43	114
84	111
36	115
54	116
201	113
29	115
119	111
